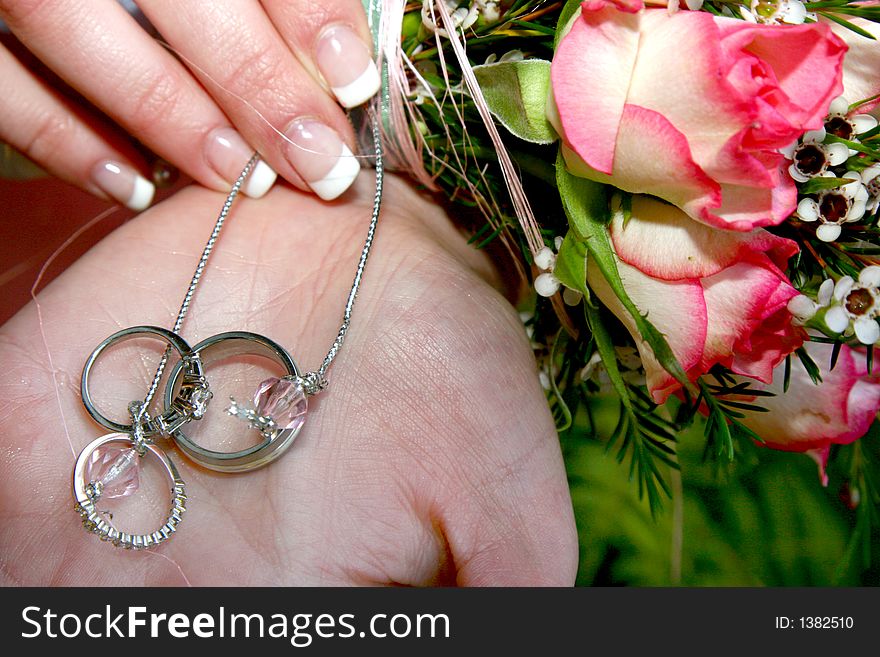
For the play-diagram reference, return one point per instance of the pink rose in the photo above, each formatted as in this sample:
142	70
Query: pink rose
717	296
691	107
811	418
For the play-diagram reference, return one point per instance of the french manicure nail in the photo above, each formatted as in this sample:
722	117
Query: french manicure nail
322	159
345	63
227	153
124	184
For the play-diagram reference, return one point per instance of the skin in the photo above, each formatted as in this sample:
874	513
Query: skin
228	64
431	458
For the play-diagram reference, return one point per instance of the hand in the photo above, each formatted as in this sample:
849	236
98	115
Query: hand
249	72
430	459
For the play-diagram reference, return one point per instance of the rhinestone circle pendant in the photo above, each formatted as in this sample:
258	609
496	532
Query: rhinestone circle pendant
108	467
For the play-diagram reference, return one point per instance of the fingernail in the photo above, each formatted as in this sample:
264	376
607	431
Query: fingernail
124	184
227	152
345	63
321	158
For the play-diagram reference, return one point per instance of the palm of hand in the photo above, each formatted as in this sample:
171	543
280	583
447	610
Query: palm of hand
431	459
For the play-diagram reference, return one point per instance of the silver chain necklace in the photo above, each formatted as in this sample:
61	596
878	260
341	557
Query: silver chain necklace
108	466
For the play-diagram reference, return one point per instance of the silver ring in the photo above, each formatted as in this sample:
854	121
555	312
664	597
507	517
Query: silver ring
94	521
192	365
216	348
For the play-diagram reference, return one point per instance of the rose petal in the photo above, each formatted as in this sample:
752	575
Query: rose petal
820	456
676	309
738	301
590	98
746	208
860	79
682	248
803	57
721	114
838	410
629	6
665	168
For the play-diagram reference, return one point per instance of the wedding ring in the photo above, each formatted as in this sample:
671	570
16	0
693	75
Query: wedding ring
215	349
191	403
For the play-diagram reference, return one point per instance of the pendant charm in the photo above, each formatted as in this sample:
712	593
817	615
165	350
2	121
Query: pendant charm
279	405
108	467
283	403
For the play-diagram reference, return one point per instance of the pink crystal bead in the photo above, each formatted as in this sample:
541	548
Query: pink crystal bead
116	469
282	400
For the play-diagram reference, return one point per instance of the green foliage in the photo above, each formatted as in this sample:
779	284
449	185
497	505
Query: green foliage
832	16
809	365
586	206
571	264
642	436
818	184
568	11
516	93
743	514
769	523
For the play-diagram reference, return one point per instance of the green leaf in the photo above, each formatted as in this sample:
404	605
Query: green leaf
850	26
571	264
854	106
568	11
586	206
854	145
605	347
560	401
516	93
809	365
819	183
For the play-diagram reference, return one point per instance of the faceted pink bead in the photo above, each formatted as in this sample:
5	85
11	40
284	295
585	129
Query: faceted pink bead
282	400
116	469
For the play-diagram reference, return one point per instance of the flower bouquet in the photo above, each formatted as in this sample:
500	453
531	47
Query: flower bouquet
691	192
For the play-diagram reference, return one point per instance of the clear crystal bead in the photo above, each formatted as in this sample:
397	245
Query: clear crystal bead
115	470
282	400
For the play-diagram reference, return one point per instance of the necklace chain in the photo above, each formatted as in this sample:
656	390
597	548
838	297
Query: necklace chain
315	381
362	262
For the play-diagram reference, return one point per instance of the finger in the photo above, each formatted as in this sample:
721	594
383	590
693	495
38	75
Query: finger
66	140
263	88
334	45
104	54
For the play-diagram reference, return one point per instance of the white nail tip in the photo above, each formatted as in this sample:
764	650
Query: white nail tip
340	177
141	195
260	181
360	90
